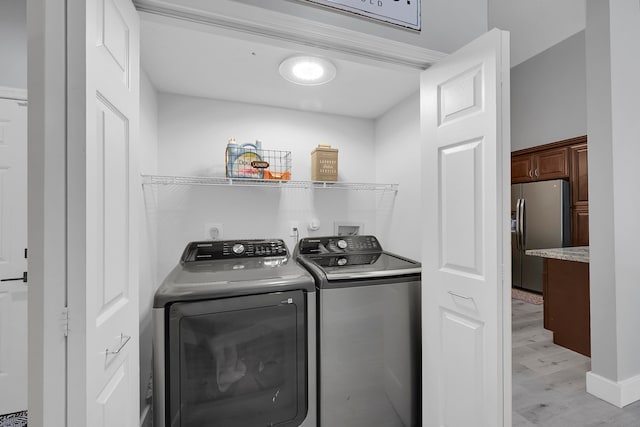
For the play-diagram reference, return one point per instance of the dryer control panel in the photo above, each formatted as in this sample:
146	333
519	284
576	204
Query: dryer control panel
339	245
225	249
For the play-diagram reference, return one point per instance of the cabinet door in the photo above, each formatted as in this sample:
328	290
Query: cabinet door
551	164
521	168
579	176
580	226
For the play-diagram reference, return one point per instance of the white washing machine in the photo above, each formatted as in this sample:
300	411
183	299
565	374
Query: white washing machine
235	338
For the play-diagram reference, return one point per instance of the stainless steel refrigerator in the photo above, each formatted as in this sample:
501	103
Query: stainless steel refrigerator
539	220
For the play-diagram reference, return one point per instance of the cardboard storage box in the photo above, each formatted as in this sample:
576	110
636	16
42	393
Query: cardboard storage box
324	163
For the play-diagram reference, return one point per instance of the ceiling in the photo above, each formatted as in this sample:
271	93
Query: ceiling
535	26
199	60
195	61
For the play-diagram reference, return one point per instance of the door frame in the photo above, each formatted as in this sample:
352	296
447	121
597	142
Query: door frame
235	19
504	129
47	216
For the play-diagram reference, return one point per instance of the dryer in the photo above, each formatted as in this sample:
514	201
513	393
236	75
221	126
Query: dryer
235	338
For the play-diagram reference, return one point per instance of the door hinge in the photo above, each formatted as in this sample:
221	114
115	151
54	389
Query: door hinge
65	321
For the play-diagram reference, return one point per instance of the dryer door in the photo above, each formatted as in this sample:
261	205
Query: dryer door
237	362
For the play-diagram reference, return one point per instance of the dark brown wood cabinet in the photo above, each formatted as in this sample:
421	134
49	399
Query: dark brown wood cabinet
579	181
540	165
522	168
580	226
551	164
579	175
567	304
566	159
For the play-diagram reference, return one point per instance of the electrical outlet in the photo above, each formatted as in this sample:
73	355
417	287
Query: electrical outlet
294	229
213	231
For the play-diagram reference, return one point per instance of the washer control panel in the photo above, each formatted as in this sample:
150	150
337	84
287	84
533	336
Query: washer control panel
229	249
338	245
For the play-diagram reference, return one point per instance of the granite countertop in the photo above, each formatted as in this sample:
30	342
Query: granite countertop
577	253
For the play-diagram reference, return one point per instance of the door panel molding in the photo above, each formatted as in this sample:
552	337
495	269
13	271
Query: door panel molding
4	214
461	216
14	94
462	378
460	96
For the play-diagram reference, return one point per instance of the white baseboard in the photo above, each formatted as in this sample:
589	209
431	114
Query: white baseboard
145	417
620	393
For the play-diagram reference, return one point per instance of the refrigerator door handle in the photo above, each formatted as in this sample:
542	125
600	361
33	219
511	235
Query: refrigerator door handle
523	237
518	224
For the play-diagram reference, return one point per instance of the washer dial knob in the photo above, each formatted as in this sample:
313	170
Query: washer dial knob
238	249
342	244
342	261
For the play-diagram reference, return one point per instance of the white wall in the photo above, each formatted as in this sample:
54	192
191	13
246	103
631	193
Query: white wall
193	134
148	160
398	161
549	95
613	67
536	25
13	43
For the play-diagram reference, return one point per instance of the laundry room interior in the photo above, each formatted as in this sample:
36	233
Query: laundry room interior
210	79
184	135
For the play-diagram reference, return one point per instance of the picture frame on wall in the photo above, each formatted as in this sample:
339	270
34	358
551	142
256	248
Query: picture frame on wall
402	13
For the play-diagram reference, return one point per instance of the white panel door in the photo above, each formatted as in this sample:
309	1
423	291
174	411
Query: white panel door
103	192
466	251
13	264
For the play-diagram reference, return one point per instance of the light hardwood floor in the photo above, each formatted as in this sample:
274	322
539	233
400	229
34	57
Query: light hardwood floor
549	381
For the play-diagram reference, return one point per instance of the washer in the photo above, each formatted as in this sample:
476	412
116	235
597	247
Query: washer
369	337
235	338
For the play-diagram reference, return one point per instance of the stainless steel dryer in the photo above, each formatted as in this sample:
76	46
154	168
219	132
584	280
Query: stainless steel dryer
368	332
235	338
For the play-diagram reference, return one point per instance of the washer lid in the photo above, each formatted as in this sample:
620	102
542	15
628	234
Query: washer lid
210	270
363	266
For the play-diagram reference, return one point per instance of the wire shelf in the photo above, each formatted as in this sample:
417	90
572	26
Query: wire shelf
247	182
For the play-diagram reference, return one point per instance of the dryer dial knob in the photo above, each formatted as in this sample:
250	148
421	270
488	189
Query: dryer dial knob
342	261
342	244
238	249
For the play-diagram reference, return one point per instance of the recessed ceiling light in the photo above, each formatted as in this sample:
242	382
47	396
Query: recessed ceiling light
307	70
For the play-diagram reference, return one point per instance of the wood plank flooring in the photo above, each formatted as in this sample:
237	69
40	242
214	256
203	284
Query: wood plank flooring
549	381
